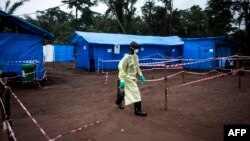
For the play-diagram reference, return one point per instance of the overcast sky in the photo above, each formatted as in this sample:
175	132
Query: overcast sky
33	5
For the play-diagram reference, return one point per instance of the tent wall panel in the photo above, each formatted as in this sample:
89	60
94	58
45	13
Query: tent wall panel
16	48
103	45
82	56
204	48
63	53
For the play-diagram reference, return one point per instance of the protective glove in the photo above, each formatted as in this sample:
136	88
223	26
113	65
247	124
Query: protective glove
122	84
143	81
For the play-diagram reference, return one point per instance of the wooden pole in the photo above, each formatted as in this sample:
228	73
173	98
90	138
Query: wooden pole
239	73
98	66
5	97
153	73
102	65
239	79
166	89
182	71
1	97
7	104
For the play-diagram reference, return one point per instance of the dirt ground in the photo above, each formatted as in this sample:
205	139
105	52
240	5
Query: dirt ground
74	98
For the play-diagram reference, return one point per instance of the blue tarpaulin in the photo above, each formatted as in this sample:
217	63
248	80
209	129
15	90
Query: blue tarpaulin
23	45
92	47
124	39
205	48
19	49
63	53
22	26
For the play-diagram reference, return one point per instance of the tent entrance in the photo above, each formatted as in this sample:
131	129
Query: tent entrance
92	64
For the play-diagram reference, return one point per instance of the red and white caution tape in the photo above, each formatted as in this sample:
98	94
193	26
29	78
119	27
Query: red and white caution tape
4	111
20	62
75	130
246	70
21	75
200	73
25	109
155	80
243	56
43	132
106	78
1	81
197	81
174	74
163	78
110	72
6	123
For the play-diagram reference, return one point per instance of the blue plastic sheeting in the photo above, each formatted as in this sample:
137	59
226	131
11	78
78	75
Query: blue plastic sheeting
92	47
63	53
123	39
223	52
30	28
17	48
204	48
88	55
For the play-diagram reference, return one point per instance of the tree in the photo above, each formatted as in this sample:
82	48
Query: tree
10	9
191	22
157	18
220	18
231	11
148	15
124	11
168	16
82	5
54	20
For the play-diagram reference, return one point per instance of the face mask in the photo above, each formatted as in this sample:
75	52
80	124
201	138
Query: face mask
136	50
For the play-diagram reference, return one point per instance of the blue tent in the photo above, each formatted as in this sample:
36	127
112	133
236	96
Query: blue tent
63	53
204	48
20	43
105	46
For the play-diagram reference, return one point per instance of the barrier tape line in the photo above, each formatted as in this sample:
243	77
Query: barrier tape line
106	78
163	78
188	63
246	70
21	75
21	62
162	68
12	134
25	109
44	76
39	127
204	79
7	123
154	80
174	59
200	73
174	74
75	130
4	111
1	81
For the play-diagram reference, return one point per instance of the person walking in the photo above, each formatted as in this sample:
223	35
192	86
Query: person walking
128	69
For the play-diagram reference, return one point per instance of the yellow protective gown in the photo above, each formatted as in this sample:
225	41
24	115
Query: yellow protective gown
128	68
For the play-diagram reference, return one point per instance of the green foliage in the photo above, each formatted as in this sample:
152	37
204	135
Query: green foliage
219	18
80	5
216	20
190	22
11	8
55	21
156	19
